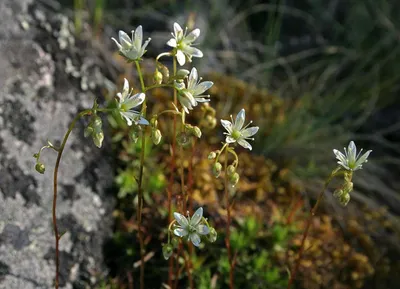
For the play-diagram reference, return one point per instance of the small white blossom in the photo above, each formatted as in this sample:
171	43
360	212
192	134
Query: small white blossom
183	44
238	133
132	48
190	96
191	227
126	101
350	160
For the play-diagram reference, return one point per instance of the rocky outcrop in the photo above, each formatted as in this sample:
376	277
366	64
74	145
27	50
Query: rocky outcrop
46	77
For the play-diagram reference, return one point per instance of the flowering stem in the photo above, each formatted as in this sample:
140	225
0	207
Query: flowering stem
55	179
308	225
140	183
171	178
228	223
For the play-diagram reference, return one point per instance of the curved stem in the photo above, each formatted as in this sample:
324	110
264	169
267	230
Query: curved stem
140	183
55	187
229	220
308	225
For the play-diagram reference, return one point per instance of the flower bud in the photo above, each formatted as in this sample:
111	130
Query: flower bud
212	155
217	168
164	71
234	179
344	199
182	74
167	250
156	136
40	168
231	170
88	130
212	236
154	122
196	131
36	155
157	77
98	138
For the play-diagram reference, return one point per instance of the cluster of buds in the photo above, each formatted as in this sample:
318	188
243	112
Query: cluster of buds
191	229
94	129
208	119
342	194
155	132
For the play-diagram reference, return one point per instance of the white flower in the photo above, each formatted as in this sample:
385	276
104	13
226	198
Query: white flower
350	160
182	43
191	228
126	102
238	133
132	48
192	95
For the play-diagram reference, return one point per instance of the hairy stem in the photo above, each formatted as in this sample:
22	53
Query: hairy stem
228	223
140	183
171	179
55	183
307	229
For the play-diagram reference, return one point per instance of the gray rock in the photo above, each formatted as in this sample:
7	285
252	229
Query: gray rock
46	77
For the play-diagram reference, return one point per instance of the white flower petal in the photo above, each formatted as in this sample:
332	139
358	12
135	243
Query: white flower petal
138	37
202	229
181	219
134	100
192	36
240	119
143	121
177	29
340	156
172	42
352	152
180	232
193	77
193	51
196	218
244	144
227	125
195	239
363	158
116	42
248	132
230	139
180	57
202	87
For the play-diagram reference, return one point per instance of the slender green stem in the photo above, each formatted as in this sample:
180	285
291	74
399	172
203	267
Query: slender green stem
55	183
308	225
229	220
140	185
171	178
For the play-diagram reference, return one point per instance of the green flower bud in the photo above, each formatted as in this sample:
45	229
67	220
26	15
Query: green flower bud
97	124
231	170
212	155
164	71
212	236
154	122
158	77
167	250
344	199
40	168
88	130
36	155
98	139
197	132
217	168
156	136
234	179
182	74
338	193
